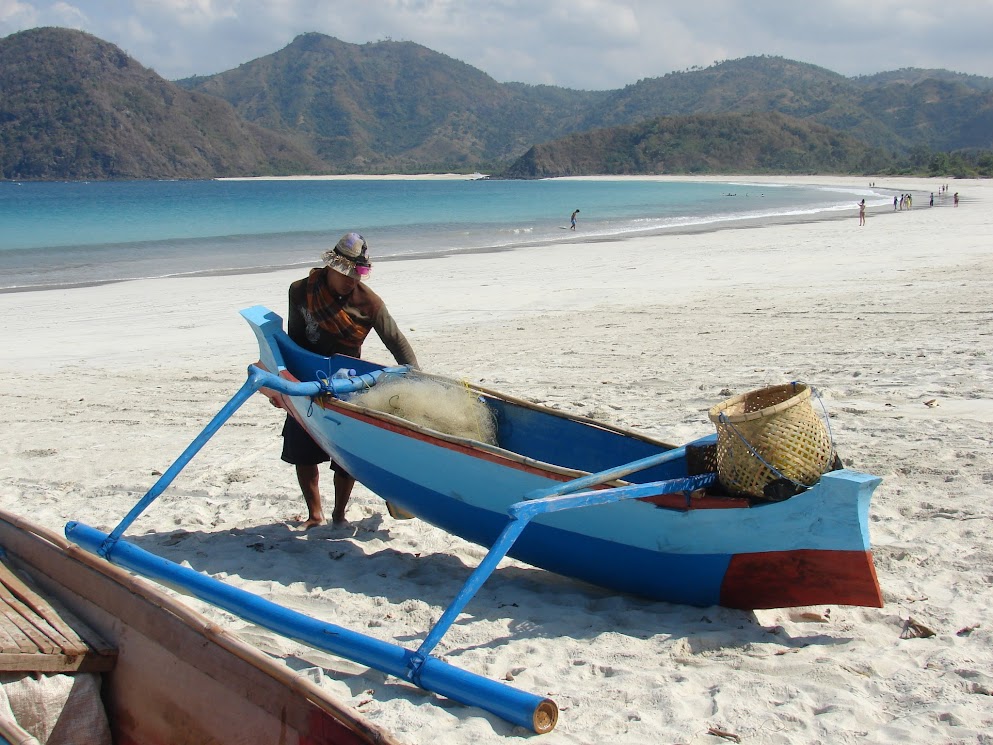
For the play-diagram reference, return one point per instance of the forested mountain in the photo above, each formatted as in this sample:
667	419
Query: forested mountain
399	104
940	112
914	75
703	143
75	107
393	105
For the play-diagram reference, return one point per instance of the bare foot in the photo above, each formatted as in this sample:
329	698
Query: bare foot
312	522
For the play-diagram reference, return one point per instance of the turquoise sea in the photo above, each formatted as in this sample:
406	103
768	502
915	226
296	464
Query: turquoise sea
68	234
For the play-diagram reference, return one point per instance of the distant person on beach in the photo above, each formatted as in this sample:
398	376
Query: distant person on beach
572	220
955	199
332	312
894	202
862	212
931	203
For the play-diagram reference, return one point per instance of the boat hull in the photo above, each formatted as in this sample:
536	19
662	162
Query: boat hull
810	549
178	678
767	556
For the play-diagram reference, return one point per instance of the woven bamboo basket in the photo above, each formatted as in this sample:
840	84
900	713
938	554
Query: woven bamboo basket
770	434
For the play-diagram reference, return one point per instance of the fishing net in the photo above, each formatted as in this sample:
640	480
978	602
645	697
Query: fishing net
442	405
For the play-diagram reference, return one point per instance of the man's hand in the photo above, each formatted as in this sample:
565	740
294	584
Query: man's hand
272	396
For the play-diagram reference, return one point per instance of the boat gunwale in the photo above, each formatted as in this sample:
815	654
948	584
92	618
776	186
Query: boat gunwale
557	472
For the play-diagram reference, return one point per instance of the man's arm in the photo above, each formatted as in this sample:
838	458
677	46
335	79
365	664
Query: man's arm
393	339
295	324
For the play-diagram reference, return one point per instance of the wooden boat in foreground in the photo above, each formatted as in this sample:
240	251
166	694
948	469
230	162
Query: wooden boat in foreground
664	539
169	675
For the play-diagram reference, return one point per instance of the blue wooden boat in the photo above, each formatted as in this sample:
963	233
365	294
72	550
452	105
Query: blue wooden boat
644	517
558	491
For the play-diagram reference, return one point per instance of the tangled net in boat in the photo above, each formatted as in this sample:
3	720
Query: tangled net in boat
441	405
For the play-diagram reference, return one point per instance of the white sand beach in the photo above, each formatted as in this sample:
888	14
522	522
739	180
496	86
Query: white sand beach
103	387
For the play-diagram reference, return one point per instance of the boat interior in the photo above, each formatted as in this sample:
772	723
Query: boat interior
550	436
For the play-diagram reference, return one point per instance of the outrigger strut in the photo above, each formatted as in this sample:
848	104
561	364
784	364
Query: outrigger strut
556	499
257	379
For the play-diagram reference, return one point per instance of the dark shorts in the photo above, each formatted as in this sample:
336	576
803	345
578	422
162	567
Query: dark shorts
300	449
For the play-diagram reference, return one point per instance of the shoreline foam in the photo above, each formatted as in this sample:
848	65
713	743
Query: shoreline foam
695	226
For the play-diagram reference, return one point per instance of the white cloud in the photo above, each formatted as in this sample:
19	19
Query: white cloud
188	13
16	16
574	43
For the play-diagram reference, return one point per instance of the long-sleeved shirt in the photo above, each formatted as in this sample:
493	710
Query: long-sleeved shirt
327	325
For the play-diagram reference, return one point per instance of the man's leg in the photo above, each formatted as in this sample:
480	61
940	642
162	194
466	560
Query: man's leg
343	484
309	478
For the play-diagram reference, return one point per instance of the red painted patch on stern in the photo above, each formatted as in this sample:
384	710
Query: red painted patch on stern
696	501
785	579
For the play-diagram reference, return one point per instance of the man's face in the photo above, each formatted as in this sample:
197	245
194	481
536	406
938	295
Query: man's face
340	284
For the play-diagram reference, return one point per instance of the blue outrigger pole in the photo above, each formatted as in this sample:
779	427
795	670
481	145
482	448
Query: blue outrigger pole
537	713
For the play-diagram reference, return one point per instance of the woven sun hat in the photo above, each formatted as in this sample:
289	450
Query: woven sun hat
349	256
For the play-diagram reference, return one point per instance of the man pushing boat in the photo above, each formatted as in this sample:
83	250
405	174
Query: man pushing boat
332	312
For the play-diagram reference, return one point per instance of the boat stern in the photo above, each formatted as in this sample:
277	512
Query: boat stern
801	576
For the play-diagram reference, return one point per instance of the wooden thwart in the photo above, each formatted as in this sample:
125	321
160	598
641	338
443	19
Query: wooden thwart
35	637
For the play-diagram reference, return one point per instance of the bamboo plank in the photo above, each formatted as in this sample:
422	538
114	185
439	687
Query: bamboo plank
36	636
34	610
55	663
22	643
6	640
18	587
84	631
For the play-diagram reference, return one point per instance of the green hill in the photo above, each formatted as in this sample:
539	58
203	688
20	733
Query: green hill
914	75
939	111
76	107
704	143
400	106
392	106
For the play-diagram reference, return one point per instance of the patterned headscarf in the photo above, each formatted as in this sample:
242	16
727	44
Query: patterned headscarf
349	256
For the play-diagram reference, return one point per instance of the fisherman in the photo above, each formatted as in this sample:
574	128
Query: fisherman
331	312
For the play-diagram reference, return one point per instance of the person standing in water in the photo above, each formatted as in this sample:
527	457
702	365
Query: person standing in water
572	220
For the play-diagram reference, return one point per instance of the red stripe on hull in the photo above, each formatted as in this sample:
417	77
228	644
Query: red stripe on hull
695	501
786	579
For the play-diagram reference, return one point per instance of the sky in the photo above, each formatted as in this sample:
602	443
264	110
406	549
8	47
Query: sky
580	44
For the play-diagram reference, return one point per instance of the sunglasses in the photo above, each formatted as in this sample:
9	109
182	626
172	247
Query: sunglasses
361	264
